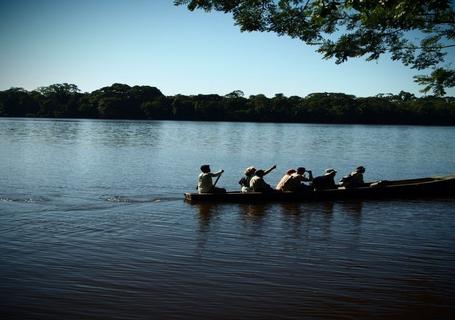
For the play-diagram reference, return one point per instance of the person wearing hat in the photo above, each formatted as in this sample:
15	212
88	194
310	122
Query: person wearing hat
249	173
204	181
299	179
326	181
354	179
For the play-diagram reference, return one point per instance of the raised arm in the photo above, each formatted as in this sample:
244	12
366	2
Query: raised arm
310	175
269	170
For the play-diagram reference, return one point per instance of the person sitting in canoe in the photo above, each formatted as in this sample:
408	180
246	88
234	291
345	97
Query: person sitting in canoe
204	181
283	184
249	173
294	180
299	179
258	184
326	181
354	179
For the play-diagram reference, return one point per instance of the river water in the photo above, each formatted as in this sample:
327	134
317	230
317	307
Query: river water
93	224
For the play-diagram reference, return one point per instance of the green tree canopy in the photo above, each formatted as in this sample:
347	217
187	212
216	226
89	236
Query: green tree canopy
416	32
59	100
17	102
120	101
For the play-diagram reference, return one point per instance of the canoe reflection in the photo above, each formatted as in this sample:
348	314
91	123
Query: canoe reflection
354	207
207	212
255	213
297	223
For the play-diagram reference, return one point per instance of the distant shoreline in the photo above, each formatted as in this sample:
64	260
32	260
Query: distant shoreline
122	102
228	121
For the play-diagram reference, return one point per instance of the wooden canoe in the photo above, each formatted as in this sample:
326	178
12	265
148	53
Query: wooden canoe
413	188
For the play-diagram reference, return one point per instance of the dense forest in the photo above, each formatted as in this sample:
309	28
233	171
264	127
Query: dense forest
121	101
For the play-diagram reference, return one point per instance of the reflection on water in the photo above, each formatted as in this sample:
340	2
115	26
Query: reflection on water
319	214
345	253
254	212
207	212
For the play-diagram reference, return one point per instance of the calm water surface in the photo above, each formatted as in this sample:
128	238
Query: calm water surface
93	224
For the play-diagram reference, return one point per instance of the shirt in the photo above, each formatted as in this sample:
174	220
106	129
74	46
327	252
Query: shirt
324	182
245	181
356	179
204	181
284	182
291	182
258	184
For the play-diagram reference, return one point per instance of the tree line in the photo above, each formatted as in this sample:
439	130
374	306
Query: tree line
121	101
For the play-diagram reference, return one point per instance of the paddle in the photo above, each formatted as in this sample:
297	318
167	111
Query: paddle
217	178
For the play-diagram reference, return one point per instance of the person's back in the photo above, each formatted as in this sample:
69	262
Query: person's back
285	181
257	183
354	179
246	179
295	183
205	184
357	179
327	181
298	180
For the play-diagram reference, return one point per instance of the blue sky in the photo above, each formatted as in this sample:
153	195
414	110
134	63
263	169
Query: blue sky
94	43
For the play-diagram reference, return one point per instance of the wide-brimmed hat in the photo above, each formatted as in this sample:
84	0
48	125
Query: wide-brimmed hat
250	170
329	171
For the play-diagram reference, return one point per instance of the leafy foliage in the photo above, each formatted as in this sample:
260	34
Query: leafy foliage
58	100
120	101
437	81
415	32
